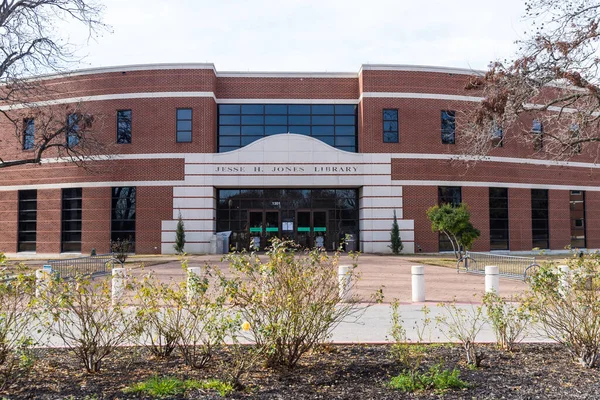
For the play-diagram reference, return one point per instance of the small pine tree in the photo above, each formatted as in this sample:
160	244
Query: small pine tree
179	236
396	245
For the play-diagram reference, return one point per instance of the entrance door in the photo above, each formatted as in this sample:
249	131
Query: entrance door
263	226
311	228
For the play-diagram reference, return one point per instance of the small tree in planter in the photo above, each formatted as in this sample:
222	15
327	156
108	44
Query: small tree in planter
179	236
396	245
454	222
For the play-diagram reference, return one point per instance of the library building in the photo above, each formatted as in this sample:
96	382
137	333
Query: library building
325	159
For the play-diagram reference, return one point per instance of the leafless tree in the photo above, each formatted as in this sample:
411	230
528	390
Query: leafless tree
30	45
549	96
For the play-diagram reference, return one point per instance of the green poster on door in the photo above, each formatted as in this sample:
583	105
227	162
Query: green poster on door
304	229
320	229
252	230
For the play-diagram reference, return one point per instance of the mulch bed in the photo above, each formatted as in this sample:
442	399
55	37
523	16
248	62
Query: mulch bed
534	371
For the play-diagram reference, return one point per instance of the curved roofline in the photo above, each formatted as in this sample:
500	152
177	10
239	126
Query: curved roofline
258	74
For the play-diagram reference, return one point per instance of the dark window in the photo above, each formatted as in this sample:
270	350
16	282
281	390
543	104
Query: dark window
499	219
73	121
538	139
184	125
28	133
575	135
539	219
448	195
497	135
390	126
71	220
124	126
27	230
242	124
123	214
577	206
448	127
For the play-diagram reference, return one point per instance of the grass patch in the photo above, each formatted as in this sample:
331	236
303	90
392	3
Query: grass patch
437	379
165	386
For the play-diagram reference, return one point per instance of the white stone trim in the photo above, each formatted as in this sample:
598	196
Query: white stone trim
431	96
103	97
420	68
46	186
497	184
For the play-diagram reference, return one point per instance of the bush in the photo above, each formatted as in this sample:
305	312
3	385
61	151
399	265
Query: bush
509	321
158	317
80	312
291	302
567	306
463	325
396	242
120	249
436	378
161	387
16	347
407	355
179	236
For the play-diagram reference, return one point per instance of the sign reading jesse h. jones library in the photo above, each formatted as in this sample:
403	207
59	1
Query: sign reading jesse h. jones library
282	169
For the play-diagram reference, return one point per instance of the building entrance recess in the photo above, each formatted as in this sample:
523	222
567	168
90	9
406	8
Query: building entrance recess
311	217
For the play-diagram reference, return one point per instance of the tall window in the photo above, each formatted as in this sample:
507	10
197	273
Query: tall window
577	205
123	214
242	124
539	219
71	220
28	133
124	126
538	131
184	125
448	195
499	219
72	130
27	220
497	135
575	135
448	126
390	126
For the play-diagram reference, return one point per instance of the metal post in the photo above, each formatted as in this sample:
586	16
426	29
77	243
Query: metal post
345	281
418	283
492	279
118	284
41	281
193	275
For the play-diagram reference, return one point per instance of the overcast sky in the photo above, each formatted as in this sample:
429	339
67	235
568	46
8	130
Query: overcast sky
307	35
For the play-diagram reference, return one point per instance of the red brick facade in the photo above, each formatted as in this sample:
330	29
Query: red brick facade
419	161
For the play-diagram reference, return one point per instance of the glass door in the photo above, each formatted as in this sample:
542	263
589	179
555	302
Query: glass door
303	228
320	228
272	228
255	223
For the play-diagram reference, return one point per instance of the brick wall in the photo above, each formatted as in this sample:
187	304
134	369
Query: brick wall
477	198
9	205
96	219
153	205
519	219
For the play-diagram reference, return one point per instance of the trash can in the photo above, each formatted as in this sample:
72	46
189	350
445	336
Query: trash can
216	244
350	242
225	235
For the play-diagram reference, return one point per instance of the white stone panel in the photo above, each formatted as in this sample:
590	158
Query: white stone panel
382	213
390	202
396	190
385	191
194	214
192	191
191	225
193	202
403	224
385	235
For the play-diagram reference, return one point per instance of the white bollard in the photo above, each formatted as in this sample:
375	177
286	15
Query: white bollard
41	281
345	281
492	279
118	284
193	275
418	283
565	272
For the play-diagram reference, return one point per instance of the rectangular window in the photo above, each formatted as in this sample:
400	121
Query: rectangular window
497	135
123	215
73	130
499	219
538	131
242	124
28	133
390	126
577	206
539	219
70	240
448	195
448	127
124	126
27	232
184	125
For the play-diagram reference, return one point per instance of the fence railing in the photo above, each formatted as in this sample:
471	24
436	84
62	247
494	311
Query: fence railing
509	266
93	265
